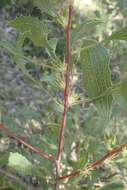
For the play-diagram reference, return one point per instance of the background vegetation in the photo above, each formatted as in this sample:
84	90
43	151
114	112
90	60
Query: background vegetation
31	95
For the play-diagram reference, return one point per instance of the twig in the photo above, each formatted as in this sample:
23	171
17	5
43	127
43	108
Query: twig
66	90
109	176
94	165
29	146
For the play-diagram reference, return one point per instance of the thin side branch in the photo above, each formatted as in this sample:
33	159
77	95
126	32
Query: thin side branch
113	153
29	146
66	90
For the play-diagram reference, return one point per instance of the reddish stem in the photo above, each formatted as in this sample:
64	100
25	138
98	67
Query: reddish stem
66	90
94	165
30	147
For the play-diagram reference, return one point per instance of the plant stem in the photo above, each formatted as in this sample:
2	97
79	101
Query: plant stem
66	90
66	96
109	155
29	146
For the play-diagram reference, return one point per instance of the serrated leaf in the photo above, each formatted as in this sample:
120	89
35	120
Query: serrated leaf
20	40
119	35
19	58
37	30
94	60
118	185
19	163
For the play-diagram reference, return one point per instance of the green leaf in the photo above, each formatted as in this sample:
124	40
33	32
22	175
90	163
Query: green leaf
94	60
8	183
4	159
20	40
118	35
36	29
48	6
118	185
120	89
8	46
79	31
53	43
19	163
18	56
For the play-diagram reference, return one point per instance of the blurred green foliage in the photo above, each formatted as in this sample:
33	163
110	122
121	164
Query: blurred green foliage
40	58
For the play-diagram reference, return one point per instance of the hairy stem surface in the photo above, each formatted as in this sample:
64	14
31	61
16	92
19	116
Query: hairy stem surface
66	90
